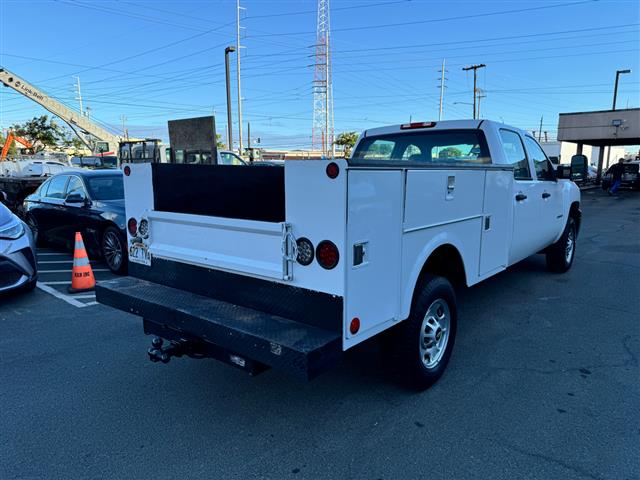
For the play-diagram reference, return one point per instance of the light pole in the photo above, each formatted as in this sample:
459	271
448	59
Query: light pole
226	71
615	88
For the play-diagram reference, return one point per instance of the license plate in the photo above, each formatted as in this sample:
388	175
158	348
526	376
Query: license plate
139	253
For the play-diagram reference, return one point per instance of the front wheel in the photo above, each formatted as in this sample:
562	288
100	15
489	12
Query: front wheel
560	255
113	250
423	343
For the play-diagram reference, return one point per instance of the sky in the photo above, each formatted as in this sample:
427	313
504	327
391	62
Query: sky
156	60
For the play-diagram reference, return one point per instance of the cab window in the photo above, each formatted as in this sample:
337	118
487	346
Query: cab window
514	152
544	169
56	187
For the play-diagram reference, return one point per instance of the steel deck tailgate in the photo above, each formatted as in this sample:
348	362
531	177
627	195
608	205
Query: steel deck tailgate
300	349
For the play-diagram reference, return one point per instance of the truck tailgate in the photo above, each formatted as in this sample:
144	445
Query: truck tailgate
295	347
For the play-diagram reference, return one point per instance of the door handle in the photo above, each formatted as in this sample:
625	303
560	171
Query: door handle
546	195
520	197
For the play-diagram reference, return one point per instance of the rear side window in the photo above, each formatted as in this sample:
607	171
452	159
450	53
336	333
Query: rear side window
514	153
106	187
56	186
427	147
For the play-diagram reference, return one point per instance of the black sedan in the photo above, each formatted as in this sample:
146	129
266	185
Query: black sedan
86	201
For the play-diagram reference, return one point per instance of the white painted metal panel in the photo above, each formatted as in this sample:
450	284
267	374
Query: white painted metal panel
464	235
242	246
438	196
375	199
496	224
316	207
138	191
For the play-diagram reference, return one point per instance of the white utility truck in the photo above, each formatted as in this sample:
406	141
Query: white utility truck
288	267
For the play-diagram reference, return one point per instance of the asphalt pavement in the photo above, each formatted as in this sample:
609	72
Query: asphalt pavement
544	383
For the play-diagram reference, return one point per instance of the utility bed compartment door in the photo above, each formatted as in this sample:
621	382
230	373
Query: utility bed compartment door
243	246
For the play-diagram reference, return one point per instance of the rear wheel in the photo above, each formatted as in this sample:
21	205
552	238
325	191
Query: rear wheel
423	343
113	250
560	255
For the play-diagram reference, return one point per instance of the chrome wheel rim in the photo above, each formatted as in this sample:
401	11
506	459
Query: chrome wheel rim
434	333
571	241
33	226
112	250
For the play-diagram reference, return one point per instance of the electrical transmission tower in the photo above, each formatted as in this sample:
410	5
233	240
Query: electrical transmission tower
322	132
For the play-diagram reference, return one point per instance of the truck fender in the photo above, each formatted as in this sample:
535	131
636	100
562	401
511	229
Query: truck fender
440	240
570	196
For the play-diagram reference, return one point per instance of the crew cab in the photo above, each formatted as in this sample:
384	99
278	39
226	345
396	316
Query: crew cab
288	267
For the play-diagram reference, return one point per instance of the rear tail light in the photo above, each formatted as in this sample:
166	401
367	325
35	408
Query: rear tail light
132	226
333	170
327	254
354	326
305	251
409	126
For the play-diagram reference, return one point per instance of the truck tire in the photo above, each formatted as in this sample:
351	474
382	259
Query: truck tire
560	255
422	344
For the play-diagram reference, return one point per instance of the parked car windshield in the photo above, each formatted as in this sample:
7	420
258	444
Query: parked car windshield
106	187
453	146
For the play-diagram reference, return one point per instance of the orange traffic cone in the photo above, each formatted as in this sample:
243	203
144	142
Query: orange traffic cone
82	278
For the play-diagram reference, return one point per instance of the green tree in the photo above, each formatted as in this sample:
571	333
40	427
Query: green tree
41	131
346	140
219	143
450	152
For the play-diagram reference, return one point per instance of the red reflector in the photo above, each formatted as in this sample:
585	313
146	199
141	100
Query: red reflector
354	326
127	170
333	170
408	126
327	254
132	226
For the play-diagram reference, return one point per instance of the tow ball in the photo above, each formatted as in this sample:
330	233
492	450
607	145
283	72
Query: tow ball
158	353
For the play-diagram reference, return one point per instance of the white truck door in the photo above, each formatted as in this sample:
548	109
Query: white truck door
374	233
549	193
526	237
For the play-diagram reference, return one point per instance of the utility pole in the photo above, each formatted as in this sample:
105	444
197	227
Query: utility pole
480	97
475	83
442	79
229	120
124	128
615	88
87	112
323	121
540	131
238	8
249	135
79	93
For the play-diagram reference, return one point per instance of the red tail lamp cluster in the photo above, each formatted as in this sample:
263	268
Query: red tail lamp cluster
132	226
326	253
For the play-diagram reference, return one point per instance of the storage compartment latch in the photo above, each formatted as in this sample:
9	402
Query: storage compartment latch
289	251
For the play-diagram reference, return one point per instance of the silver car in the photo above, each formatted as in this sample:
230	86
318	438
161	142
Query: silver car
18	268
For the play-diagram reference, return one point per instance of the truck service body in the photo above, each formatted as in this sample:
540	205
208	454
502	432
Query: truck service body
289	267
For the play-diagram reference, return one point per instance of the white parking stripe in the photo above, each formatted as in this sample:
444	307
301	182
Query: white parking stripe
57	283
55	261
88	295
60	295
52	253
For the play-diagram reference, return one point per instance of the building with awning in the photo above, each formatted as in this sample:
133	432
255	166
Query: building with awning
604	128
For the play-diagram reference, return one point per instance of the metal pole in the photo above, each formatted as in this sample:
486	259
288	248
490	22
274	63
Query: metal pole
615	88
540	131
475	82
80	94
326	101
238	76
229	120
441	90
249	135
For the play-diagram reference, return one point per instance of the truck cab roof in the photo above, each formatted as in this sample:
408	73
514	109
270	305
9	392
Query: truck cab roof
438	125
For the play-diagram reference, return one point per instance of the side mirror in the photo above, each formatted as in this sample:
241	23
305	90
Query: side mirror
579	167
75	198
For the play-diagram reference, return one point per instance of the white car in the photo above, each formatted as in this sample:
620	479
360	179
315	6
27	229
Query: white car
290	267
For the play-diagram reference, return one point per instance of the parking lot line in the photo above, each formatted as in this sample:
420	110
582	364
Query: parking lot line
57	283
88	295
55	261
50	253
60	295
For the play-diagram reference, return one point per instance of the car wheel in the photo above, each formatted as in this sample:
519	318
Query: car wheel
32	223
114	251
421	345
560	255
